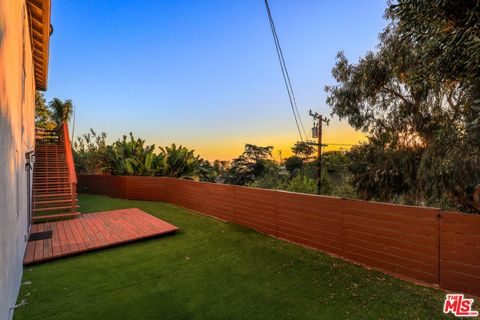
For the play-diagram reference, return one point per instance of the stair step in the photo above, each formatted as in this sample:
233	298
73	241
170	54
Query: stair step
54	208
40	183
45	178
52	195
59	175
51	151
49	173
49	146
35	203
45	185
57	216
51	188
49	191
50	166
50	182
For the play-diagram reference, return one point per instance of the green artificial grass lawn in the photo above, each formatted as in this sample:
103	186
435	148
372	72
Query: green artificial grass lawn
213	270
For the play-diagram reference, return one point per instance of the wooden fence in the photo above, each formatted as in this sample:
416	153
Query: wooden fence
414	243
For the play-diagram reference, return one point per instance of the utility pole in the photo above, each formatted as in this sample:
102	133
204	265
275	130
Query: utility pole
317	133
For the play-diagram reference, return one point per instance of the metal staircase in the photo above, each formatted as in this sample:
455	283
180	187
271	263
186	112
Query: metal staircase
54	177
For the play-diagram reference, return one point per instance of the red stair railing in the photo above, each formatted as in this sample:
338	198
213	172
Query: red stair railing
72	176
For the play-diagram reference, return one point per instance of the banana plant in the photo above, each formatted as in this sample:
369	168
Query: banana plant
179	162
131	156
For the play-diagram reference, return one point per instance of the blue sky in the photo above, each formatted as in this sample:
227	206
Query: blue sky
204	73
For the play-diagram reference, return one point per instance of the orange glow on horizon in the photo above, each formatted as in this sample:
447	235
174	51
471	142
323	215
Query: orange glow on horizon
230	148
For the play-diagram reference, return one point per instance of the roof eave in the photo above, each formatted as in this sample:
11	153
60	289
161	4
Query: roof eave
39	21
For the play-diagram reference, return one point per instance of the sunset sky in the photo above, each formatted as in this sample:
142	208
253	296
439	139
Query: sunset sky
204	74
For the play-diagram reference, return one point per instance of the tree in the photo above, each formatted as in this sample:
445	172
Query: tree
61	110
449	33
221	168
274	177
407	114
385	174
180	162
336	176
301	184
303	150
131	157
90	152
293	165
251	164
43	115
207	171
382	93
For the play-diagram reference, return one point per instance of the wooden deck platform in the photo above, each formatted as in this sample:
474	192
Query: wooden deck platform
93	231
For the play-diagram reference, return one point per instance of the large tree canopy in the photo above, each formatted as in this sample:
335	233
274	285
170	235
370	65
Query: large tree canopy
384	93
253	163
449	33
43	115
421	146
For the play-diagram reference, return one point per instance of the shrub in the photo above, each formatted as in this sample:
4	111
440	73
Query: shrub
301	184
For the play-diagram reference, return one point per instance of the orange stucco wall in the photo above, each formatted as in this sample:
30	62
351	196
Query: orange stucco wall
17	94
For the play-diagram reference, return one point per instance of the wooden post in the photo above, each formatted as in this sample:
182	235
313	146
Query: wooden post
319	155
319	119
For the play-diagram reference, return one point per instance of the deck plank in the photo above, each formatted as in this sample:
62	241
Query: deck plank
83	234
89	235
56	246
30	251
74	237
100	239
47	244
64	245
39	247
125	233
94	231
109	225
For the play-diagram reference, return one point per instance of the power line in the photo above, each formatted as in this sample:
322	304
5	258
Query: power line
286	77
285	67
340	144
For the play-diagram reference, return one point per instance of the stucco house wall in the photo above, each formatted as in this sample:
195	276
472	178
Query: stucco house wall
17	130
